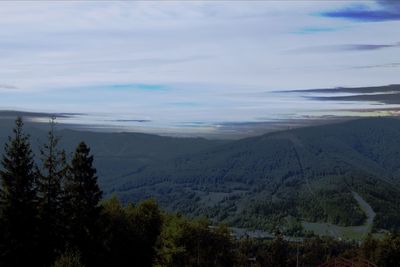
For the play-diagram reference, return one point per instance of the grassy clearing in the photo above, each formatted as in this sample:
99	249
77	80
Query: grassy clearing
343	232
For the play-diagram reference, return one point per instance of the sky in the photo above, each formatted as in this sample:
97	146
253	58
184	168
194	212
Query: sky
192	67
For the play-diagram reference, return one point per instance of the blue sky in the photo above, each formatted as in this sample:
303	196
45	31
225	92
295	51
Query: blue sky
179	65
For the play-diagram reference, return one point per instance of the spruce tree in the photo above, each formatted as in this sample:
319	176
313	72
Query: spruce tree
82	202
18	201
50	196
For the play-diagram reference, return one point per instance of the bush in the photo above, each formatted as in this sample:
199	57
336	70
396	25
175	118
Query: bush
71	258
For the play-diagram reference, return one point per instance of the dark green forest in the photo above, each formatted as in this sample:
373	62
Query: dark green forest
52	213
308	173
261	182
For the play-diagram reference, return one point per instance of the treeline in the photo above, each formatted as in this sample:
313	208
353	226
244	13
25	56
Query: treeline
48	210
52	214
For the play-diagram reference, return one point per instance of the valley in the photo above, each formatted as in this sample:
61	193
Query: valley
301	180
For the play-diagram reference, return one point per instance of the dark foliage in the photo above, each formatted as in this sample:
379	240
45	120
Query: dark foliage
50	198
130	233
53	217
18	202
82	196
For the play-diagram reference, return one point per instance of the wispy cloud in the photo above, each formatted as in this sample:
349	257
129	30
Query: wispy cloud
187	104
343	47
385	10
130	120
388	65
314	30
139	86
7	87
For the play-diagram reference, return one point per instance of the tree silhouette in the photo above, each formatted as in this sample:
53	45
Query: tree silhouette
82	196
18	201
50	195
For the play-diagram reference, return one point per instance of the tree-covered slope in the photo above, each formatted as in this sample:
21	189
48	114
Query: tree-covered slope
281	178
116	154
306	173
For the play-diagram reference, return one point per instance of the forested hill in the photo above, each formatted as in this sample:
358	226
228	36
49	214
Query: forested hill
116	154
307	173
282	178
56	216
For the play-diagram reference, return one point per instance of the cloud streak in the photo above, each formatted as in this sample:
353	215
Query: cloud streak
344	48
7	87
388	65
387	10
315	30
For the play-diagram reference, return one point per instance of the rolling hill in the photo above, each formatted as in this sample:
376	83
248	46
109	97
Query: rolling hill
116	154
287	178
308	174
